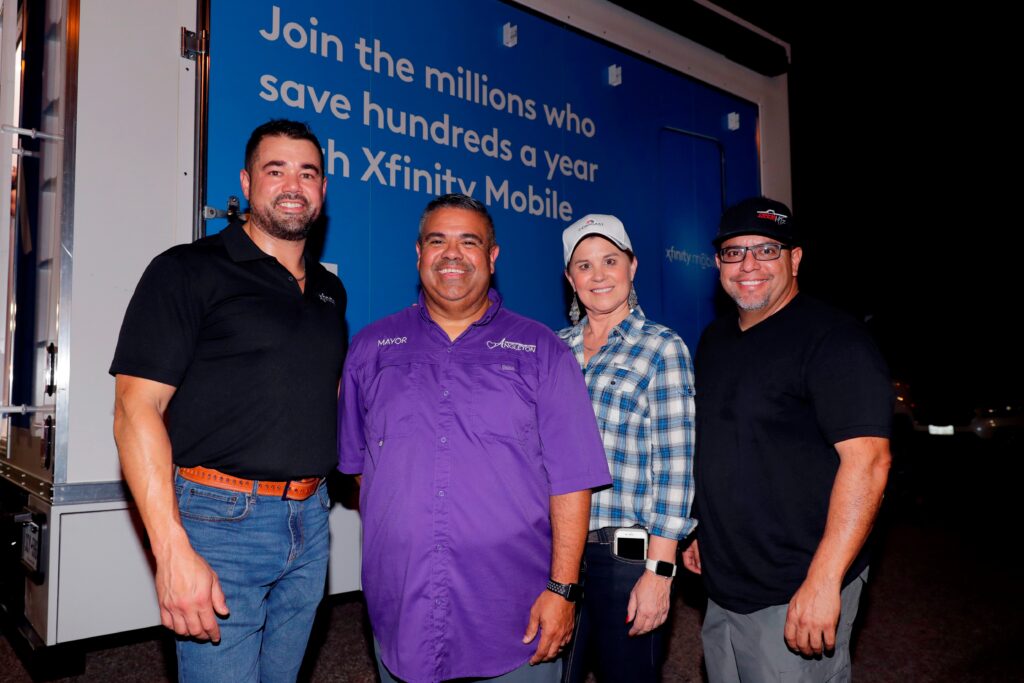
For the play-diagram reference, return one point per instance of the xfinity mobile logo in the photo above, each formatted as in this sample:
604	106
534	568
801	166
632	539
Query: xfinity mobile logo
770	215
511	345
392	341
673	255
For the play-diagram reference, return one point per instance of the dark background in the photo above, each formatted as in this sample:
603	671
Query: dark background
901	135
895	124
904	146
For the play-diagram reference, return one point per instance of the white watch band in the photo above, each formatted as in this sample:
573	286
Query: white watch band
653	566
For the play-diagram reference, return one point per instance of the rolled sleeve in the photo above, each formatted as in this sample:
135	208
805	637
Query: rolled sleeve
671	395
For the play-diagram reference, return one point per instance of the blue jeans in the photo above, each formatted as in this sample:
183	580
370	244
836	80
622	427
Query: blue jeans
270	556
601	637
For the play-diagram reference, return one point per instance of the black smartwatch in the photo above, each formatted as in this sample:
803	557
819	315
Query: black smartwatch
662	568
570	591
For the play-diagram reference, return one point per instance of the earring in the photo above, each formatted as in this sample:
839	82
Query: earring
632	297
574	310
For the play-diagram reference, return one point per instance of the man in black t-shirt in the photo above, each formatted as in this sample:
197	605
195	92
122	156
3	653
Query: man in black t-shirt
793	414
225	416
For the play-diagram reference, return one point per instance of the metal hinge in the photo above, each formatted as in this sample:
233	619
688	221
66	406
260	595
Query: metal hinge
194	44
232	212
29	133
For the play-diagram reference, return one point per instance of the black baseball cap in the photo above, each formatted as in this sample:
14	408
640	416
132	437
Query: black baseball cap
758	216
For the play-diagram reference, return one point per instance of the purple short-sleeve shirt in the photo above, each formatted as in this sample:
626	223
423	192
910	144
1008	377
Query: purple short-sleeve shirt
460	445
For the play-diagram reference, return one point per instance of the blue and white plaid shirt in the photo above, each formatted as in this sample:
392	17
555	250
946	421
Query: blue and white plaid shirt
641	385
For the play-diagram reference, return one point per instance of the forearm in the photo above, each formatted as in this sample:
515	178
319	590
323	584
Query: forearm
570	517
853	506
188	591
651	596
144	449
662	549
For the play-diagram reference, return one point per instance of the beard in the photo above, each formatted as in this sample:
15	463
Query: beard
747	305
290	227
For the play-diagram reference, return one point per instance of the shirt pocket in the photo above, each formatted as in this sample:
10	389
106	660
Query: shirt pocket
393	395
619	394
502	392
394	400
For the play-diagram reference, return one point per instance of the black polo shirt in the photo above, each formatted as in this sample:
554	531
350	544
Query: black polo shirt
256	362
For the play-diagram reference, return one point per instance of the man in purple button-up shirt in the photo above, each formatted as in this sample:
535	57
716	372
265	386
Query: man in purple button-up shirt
477	444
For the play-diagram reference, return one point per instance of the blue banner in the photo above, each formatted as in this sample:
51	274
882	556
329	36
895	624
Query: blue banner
414	99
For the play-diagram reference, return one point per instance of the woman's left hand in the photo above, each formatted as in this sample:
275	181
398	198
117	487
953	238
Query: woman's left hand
648	603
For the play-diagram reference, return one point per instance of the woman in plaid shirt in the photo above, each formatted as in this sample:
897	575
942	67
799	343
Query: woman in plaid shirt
641	384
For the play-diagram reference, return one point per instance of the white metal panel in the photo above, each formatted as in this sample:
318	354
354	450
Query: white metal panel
105	583
616	25
41	599
346	554
8	43
129	201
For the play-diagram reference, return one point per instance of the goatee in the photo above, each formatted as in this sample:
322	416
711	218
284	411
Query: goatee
289	227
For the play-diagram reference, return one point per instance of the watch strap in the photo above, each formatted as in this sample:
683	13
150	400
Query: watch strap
662	568
570	591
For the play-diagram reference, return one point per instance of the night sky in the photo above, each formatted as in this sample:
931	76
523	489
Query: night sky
903	146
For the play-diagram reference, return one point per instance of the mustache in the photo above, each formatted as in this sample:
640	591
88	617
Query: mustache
291	197
449	262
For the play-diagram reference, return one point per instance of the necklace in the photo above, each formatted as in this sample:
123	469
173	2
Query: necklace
300	279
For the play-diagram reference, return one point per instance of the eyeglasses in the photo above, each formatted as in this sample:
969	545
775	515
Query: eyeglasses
768	251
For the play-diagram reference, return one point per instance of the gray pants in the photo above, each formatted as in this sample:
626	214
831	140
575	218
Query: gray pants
750	648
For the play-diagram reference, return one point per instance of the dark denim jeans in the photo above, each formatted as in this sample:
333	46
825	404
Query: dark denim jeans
600	639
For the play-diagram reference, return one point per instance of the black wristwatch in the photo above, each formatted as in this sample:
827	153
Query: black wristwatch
570	591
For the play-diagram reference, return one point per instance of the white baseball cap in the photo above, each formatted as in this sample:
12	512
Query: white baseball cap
604	225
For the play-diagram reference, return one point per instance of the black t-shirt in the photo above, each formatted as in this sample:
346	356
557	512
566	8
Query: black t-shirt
771	402
256	362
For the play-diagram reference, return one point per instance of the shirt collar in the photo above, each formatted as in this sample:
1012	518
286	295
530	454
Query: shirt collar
632	327
629	329
488	315
240	246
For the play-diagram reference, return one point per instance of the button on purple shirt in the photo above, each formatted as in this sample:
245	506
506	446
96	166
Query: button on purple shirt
460	445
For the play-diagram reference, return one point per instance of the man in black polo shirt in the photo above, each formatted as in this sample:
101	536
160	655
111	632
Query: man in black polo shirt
225	419
793	413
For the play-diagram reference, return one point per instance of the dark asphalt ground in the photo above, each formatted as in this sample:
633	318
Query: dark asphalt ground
944	601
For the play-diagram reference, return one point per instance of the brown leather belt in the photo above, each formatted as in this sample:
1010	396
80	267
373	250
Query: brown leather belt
293	489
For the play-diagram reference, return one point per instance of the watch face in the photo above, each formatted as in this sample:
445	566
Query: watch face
570	591
666	569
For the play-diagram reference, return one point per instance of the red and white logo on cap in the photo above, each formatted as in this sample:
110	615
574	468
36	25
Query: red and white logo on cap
770	215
